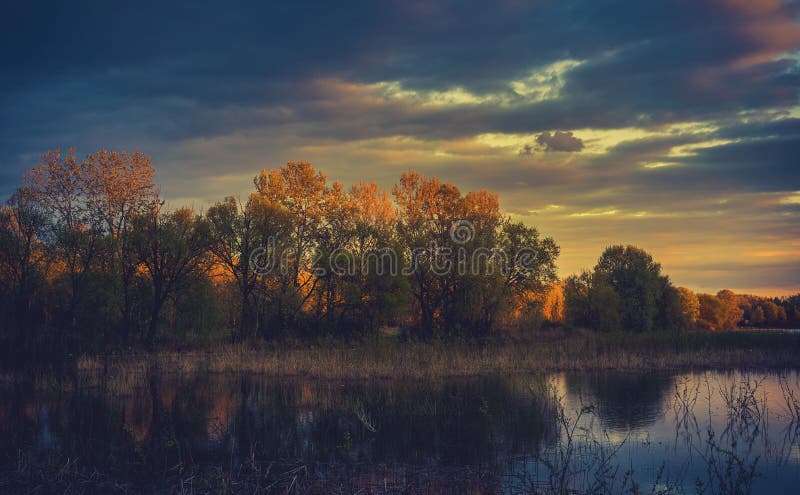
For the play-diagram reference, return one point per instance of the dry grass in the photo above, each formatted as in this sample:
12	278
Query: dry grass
557	351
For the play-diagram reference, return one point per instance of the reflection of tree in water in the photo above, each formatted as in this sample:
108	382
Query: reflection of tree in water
624	400
45	426
171	428
455	436
413	422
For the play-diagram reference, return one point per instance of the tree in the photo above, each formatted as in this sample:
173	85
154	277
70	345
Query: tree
302	192
359	235
626	291
334	266
669	309
782	315
690	305
721	311
171	246
58	185
480	286
427	209
459	281
530	272
634	276
553	305
592	302
236	231
730	313
118	187
374	213
711	311
22	258
578	311
531	258
757	317
770	311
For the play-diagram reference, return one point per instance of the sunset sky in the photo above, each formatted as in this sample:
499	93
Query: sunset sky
674	126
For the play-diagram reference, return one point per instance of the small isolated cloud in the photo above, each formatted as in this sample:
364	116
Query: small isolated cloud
560	141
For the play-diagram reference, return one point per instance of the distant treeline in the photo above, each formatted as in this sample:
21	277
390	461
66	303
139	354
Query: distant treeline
626	292
90	258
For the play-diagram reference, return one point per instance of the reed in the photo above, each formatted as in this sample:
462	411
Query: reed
574	351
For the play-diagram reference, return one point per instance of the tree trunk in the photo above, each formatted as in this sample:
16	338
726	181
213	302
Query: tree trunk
158	301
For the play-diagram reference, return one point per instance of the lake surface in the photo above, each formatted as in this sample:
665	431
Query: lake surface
710	432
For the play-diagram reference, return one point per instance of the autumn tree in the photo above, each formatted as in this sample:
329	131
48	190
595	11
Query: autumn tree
721	311
334	266
758	317
480	289
730	313
466	260
427	209
302	192
535	309
379	293
553	303
360	285
58	185
375	215
773	313
118	187
529	272
114	258
690	305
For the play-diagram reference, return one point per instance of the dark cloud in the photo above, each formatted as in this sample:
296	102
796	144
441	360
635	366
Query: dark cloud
784	127
559	141
759	165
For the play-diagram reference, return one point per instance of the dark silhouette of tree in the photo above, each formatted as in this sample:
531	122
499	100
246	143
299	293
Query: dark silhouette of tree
22	262
634	276
171	247
626	291
236	230
591	302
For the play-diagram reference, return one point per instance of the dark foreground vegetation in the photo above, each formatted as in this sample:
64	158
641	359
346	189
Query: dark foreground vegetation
91	261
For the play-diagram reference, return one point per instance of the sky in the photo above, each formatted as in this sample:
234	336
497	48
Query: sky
673	126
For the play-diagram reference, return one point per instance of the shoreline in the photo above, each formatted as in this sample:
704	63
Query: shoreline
544	352
383	358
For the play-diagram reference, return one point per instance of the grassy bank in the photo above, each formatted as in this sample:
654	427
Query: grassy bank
557	350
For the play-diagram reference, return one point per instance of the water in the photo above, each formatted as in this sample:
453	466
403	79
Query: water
710	432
